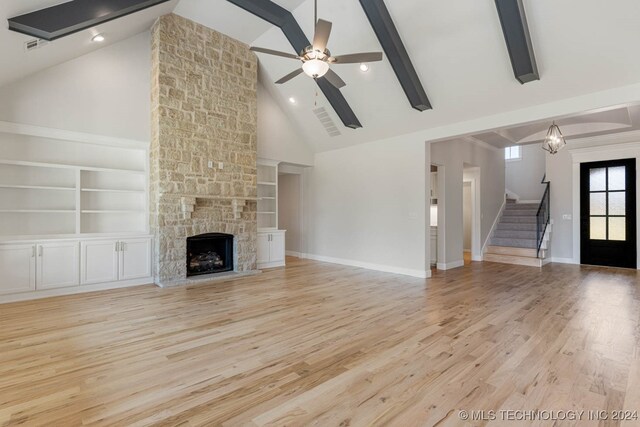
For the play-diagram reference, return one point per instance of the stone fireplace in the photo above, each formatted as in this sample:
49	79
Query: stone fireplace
203	144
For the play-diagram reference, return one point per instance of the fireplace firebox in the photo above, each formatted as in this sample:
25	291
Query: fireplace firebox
209	253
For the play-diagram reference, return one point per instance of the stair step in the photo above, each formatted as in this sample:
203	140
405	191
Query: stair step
528	206
520	212
507	250
515	243
513	259
524	226
518	219
516	234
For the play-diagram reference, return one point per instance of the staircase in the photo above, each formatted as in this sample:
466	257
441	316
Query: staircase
515	239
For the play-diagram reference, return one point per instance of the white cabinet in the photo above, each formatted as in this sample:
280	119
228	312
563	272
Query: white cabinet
271	250
134	259
17	268
99	261
113	260
57	265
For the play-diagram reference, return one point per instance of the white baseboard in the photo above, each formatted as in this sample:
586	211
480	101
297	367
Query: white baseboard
294	254
370	266
450	265
476	258
563	260
78	289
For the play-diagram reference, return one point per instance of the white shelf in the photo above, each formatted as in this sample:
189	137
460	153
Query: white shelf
111	211
67	166
267	183
55	183
266	213
106	190
36	187
37	211
266	198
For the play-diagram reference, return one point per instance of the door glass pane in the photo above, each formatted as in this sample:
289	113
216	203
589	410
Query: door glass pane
617	229
617	178
597	179
617	204
598	229
598	204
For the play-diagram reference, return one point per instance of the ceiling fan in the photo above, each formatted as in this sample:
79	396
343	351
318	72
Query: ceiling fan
317	60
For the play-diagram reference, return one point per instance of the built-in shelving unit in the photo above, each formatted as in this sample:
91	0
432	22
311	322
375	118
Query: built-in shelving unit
62	183
267	195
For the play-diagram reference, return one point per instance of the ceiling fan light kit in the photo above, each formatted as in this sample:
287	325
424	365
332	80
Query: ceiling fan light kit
317	60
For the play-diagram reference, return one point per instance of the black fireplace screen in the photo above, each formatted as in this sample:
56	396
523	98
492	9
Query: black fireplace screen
209	253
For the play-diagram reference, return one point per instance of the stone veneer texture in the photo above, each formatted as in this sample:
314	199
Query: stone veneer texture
204	107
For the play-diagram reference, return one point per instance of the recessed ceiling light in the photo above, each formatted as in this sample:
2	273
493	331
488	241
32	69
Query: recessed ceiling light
97	38
364	67
292	100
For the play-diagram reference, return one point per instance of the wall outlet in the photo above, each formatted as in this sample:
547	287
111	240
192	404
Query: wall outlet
567	217
210	164
220	165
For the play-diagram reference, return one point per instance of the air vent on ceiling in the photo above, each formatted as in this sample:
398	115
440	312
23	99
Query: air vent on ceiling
34	44
326	121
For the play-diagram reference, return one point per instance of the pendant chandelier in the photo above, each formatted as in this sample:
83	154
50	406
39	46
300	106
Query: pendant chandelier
554	141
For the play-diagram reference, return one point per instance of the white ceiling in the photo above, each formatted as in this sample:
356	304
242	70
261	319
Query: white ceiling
595	123
457	47
16	63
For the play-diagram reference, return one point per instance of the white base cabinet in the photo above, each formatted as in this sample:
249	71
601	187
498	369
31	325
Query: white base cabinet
17	268
57	265
38	269
112	260
271	249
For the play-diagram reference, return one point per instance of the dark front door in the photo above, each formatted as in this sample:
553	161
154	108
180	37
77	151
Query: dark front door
608	213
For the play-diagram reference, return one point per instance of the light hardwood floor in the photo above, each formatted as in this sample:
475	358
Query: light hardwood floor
327	345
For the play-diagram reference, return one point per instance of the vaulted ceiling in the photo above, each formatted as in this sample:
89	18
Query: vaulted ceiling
457	48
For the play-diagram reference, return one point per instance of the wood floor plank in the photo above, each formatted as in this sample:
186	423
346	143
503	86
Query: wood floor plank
323	344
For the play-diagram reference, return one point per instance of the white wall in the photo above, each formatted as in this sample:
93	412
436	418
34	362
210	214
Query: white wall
105	92
366	205
565	207
278	139
290	210
523	176
452	157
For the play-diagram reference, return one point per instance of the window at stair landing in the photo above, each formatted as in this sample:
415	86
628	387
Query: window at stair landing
513	153
607	203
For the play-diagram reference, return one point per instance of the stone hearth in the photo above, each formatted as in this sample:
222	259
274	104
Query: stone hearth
204	108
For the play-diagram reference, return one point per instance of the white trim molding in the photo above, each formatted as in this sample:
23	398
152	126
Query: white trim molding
493	227
451	265
422	274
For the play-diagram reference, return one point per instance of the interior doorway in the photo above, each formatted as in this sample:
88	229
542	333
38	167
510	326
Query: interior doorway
290	212
472	245
608	213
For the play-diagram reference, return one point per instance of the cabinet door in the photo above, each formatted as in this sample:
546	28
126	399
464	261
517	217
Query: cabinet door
98	262
17	268
134	259
263	247
277	247
58	265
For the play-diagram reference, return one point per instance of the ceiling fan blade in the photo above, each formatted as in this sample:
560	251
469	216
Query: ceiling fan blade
321	36
274	52
334	79
355	58
289	76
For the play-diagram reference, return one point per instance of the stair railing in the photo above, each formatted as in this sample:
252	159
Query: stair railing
544	214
